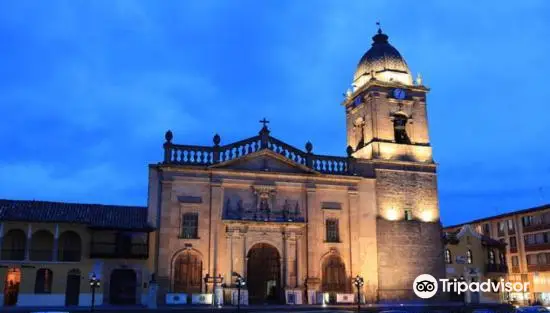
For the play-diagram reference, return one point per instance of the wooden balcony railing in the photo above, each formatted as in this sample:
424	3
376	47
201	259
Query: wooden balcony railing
208	155
532	228
515	269
13	254
41	254
109	250
538	267
496	268
513	249
537	247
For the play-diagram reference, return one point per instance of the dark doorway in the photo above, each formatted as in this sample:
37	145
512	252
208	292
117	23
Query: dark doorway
122	287
72	291
264	274
334	277
11	286
188	273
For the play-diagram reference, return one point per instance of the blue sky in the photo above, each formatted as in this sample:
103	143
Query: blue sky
87	89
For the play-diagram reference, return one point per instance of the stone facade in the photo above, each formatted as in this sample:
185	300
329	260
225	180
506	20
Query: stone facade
321	219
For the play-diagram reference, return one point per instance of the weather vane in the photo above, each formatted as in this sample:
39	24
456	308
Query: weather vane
379	27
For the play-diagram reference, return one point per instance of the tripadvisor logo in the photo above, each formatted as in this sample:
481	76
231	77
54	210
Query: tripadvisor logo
425	286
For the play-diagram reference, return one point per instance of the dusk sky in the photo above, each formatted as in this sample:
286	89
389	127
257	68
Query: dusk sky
88	88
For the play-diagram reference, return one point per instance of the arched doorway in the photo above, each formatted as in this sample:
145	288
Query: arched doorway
72	288
188	273
264	274
334	277
11	286
123	287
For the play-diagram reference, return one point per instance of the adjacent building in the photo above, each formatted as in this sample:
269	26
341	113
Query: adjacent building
527	237
50	249
473	257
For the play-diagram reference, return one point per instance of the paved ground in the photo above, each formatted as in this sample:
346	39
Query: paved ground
279	309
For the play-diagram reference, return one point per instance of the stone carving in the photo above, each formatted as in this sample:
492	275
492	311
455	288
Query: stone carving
264	207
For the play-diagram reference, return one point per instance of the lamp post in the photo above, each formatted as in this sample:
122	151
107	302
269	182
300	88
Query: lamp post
358	282
95	282
240	282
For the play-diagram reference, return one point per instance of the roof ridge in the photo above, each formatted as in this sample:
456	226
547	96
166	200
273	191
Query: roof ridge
73	203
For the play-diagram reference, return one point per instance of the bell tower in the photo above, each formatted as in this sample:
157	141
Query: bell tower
387	130
385	109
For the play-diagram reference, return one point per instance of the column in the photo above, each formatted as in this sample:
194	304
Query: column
298	252
284	263
313	231
55	243
230	257
354	235
245	259
1	238
28	245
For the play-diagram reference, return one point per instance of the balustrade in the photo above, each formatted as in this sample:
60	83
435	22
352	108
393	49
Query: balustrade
204	155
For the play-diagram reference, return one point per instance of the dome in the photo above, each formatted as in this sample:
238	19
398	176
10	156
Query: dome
384	61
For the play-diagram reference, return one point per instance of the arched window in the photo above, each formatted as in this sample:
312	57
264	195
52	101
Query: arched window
188	273
41	246
400	129
70	247
469	256
491	256
448	258
13	245
334	274
43	282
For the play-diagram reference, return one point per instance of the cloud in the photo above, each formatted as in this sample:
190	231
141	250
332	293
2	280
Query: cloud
88	88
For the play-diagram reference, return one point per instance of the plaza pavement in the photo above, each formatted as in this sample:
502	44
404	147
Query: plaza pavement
409	308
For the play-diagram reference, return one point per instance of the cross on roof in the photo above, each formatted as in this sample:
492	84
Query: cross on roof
265	122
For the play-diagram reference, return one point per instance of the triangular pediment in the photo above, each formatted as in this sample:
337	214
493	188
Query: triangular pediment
264	161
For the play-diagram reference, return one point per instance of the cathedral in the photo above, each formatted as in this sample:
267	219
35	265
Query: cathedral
296	224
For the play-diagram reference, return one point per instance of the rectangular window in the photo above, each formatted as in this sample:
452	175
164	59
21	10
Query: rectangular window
487	229
500	226
541	258
539	238
513	243
333	234
408	215
510	226
515	260
531	259
529	240
527	221
190	226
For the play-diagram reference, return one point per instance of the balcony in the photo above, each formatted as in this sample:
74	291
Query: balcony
41	254
496	268
532	228
513	249
109	250
69	255
515	269
538	267
13	254
537	247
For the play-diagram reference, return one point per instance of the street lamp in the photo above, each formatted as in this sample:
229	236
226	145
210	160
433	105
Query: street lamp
358	282
95	282
240	282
